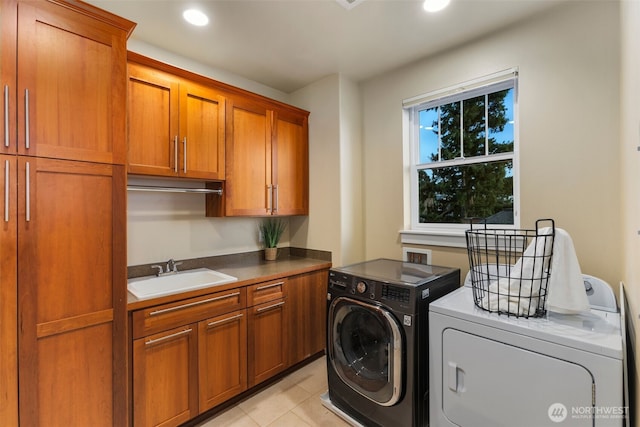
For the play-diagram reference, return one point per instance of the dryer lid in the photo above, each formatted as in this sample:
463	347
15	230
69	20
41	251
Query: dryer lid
595	331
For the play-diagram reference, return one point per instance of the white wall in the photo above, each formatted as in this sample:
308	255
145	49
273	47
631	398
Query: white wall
161	226
351	192
630	165
569	114
335	176
321	229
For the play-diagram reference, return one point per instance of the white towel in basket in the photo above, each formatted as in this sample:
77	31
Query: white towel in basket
566	285
525	279
565	289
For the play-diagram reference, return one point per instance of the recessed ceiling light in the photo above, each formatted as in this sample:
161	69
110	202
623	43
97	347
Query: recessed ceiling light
349	4
435	5
195	17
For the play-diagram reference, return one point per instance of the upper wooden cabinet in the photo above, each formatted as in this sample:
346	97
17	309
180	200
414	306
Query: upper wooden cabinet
63	85
63	270
176	126
290	159
267	160
185	125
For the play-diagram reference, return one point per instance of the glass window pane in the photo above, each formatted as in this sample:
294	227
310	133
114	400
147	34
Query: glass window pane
474	126
450	130
428	145
458	193
501	119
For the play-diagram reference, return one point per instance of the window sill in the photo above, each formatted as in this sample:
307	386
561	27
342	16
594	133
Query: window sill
450	238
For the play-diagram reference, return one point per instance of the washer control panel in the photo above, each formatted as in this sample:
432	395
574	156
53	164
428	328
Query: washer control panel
354	285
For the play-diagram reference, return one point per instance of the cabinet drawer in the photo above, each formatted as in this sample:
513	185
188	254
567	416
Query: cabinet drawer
265	292
162	317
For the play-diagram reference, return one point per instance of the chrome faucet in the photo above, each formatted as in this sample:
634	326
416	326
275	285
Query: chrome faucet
171	268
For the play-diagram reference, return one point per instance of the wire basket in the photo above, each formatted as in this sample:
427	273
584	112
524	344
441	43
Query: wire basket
510	268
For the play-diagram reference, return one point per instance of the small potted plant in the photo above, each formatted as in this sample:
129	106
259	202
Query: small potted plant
271	230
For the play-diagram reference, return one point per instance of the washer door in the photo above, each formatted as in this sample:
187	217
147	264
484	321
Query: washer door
365	349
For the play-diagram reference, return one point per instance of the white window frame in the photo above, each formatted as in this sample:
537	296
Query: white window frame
453	234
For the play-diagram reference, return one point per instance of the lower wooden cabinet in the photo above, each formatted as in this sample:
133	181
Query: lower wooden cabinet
307	294
165	391
268	340
192	355
222	358
188	356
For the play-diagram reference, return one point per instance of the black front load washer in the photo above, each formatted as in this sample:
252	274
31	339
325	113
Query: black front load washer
377	339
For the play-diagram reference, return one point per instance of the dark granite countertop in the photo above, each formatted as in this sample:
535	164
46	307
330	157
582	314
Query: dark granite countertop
249	268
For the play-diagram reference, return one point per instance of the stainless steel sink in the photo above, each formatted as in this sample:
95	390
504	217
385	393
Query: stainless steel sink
154	286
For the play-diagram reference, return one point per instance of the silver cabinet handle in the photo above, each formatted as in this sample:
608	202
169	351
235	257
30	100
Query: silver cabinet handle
26	119
191	304
228	319
275	190
270	307
177	334
6	115
175	154
184	160
28	193
6	191
269	198
273	285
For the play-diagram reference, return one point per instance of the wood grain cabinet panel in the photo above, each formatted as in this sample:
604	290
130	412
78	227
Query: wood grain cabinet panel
248	148
307	295
153	122
222	358
290	159
176	127
202	121
268	340
72	318
165	377
165	316
63	269
8	293
188	356
267	160
70	87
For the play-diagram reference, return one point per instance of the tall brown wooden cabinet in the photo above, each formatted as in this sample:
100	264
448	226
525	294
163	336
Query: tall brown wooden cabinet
63	267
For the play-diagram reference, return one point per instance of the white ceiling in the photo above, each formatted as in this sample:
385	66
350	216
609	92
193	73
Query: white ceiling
288	44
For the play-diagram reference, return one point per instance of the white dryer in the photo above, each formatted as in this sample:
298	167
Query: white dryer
492	370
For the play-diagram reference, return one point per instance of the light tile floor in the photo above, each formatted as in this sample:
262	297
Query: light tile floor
294	401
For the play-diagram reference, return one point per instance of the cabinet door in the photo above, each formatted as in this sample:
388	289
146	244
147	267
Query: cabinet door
153	122
71	85
268	341
248	184
307	299
8	294
222	358
290	164
202	121
8	23
165	391
71	292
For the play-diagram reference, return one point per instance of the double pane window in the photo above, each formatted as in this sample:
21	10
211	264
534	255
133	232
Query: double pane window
463	157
